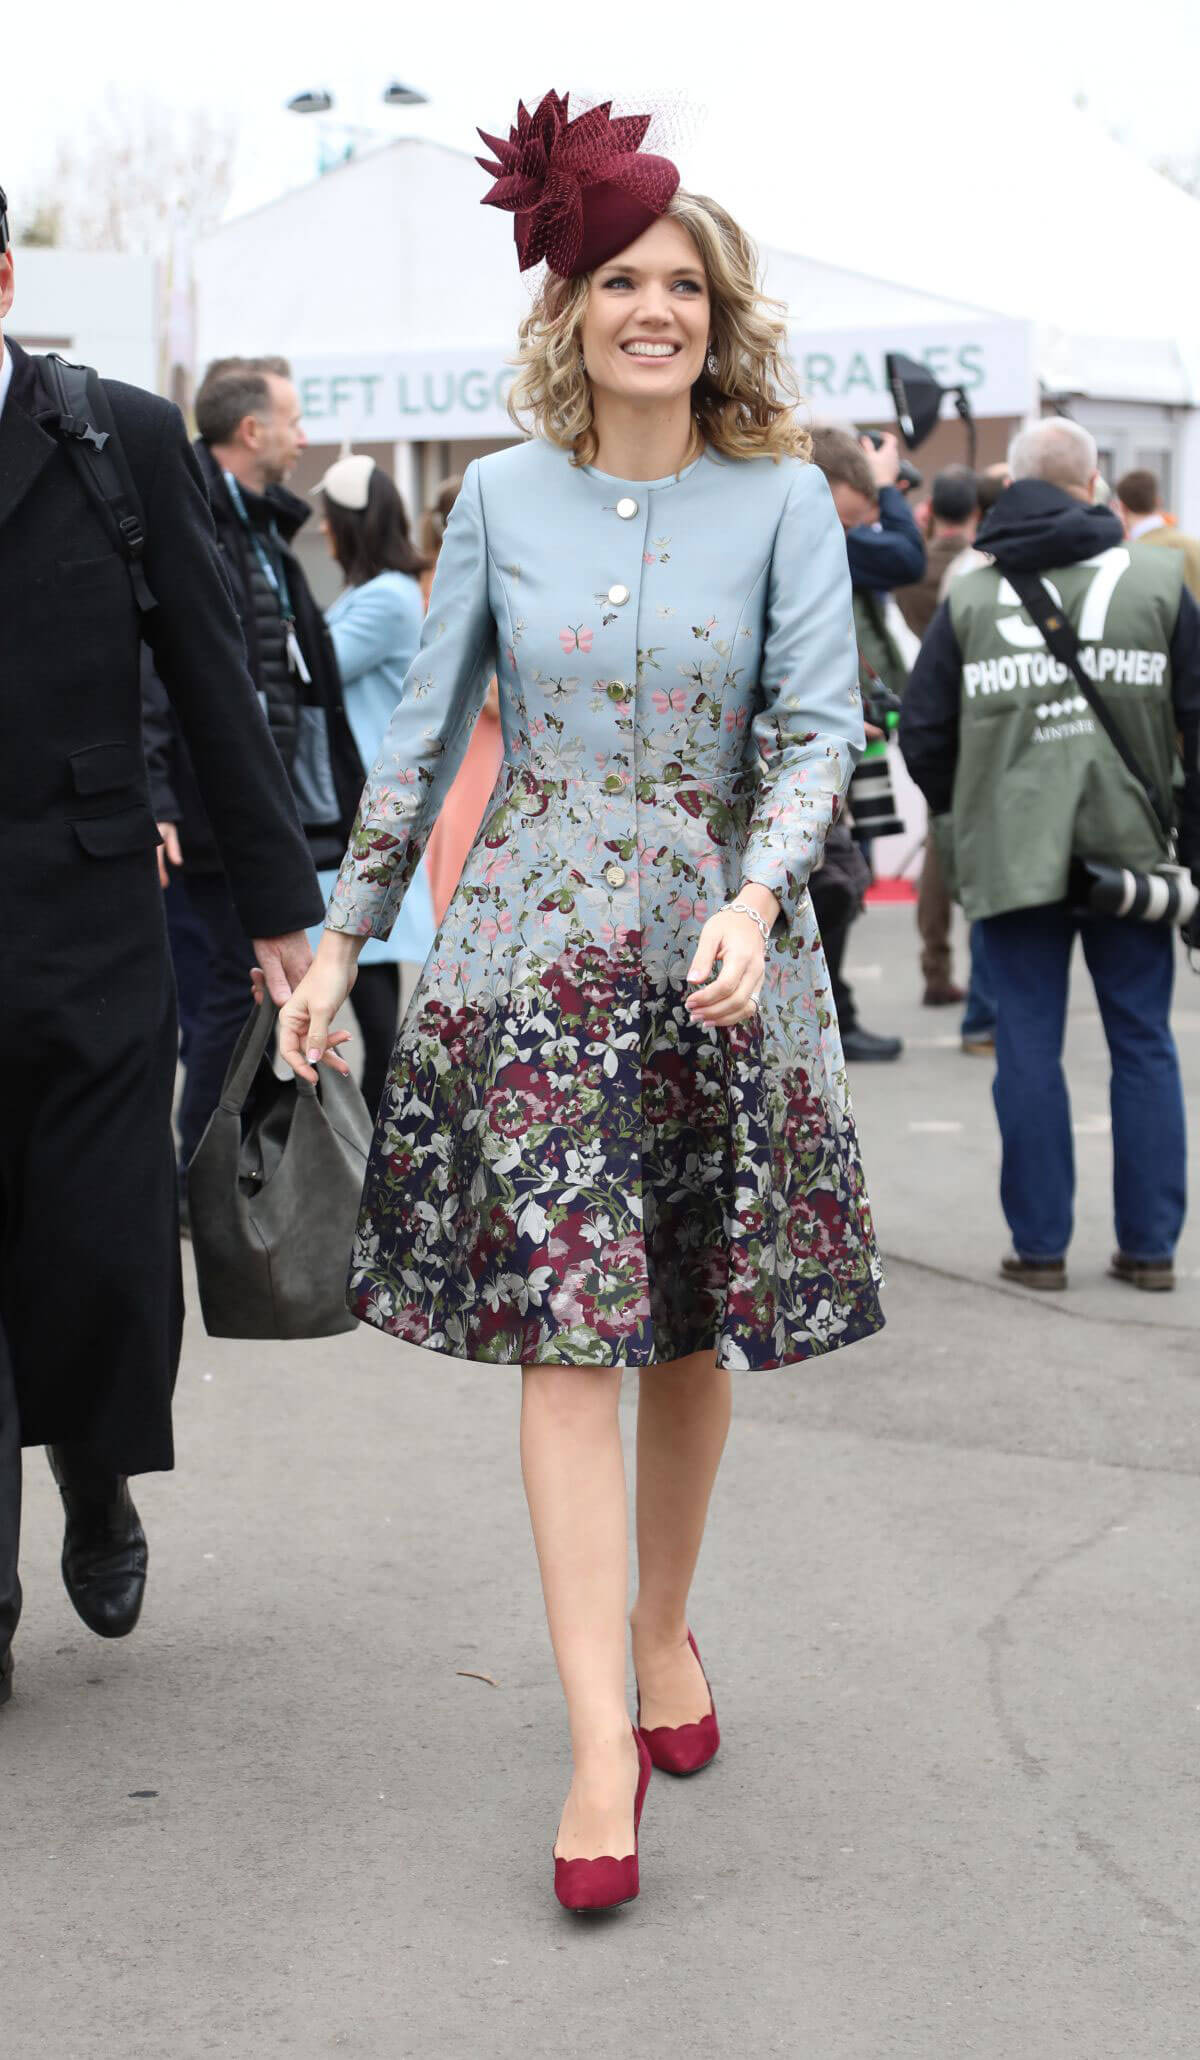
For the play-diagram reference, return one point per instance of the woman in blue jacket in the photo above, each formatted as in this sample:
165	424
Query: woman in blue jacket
617	1131
376	628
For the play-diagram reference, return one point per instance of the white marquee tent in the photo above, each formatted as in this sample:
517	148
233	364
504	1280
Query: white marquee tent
397	298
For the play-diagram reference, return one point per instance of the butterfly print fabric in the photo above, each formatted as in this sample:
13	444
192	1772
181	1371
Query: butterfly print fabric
566	1167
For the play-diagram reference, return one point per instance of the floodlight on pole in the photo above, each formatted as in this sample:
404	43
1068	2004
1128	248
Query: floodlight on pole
340	141
319	101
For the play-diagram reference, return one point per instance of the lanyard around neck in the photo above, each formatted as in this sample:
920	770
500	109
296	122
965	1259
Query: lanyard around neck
276	578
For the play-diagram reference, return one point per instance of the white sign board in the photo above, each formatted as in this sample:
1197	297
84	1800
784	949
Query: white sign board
842	374
420	397
430	396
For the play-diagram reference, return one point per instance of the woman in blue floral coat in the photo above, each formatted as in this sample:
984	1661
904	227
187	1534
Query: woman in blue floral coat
617	1130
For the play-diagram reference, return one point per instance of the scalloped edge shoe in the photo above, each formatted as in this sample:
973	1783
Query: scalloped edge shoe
682	1749
586	1886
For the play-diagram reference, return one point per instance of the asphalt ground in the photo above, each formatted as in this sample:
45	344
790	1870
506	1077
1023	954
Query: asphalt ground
947	1604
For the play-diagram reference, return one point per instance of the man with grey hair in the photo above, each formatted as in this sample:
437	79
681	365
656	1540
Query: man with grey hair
1022	784
1059	451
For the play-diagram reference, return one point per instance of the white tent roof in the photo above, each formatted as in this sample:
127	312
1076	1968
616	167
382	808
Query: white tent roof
390	251
399	255
1034	212
1059	225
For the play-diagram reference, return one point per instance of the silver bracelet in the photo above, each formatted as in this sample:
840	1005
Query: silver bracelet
743	908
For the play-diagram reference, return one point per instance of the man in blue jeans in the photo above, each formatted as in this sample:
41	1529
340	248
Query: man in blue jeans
1022	783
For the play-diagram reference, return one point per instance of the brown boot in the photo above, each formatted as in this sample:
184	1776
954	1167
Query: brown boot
942	994
1156	1276
1048	1275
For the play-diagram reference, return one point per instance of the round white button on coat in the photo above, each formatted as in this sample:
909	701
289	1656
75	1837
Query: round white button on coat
618	595
615	875
627	508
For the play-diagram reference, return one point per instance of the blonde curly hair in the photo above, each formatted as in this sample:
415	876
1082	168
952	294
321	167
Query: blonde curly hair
745	409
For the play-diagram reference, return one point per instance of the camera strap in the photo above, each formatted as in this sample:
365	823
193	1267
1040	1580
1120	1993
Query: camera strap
89	434
1061	640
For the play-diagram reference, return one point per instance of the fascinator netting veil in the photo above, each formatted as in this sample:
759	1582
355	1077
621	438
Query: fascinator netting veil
580	188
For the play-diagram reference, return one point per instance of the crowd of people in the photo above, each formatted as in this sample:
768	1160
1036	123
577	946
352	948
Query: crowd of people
668	638
904	561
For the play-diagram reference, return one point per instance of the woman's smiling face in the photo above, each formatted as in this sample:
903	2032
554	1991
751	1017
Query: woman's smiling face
645	329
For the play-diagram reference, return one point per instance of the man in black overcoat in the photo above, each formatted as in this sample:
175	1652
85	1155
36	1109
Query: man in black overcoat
90	1286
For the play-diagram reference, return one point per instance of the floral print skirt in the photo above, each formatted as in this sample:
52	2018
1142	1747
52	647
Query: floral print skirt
579	1173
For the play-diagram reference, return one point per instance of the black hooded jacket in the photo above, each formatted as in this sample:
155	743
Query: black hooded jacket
174	791
1036	527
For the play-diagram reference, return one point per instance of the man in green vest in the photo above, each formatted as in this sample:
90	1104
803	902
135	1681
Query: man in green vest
1022	782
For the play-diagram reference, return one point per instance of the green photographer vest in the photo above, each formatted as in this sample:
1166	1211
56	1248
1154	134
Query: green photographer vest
876	643
1038	783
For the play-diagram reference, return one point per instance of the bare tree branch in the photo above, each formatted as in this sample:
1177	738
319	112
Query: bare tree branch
143	175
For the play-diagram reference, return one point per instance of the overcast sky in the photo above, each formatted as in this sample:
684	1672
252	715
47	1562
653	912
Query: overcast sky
1139	66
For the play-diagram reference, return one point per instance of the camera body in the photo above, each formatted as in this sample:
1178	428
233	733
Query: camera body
909	477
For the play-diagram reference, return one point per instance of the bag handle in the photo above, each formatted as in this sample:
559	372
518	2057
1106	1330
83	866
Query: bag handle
1061	640
248	1055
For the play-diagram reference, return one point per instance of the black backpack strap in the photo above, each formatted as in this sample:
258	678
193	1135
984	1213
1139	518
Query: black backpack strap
89	434
1061	640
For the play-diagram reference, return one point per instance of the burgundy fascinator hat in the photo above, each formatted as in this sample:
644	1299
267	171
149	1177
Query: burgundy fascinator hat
579	190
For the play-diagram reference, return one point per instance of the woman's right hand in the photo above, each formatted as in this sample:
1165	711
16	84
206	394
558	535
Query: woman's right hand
305	1038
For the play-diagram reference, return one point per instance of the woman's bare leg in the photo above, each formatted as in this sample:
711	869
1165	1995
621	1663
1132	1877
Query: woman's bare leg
683	1420
574	1475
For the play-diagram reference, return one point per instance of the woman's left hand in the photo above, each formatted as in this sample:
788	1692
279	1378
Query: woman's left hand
732	997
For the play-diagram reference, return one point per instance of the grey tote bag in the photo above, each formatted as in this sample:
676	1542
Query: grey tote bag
274	1198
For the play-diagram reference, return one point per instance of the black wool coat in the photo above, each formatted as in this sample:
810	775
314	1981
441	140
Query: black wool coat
176	793
90	1291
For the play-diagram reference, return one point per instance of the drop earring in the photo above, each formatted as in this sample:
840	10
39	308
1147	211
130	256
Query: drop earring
711	363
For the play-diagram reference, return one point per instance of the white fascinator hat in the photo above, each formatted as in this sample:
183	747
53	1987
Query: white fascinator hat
348	480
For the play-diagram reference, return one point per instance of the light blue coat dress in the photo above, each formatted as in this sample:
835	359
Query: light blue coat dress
567	1166
376	629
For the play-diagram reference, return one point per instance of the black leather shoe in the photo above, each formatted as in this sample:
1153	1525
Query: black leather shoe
105	1555
863	1045
6	1674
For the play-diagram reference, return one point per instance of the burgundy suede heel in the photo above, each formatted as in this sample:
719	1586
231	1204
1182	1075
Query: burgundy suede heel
604	1884
683	1748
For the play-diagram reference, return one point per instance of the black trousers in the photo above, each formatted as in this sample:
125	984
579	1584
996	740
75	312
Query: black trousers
835	908
376	1005
188	940
225	1002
